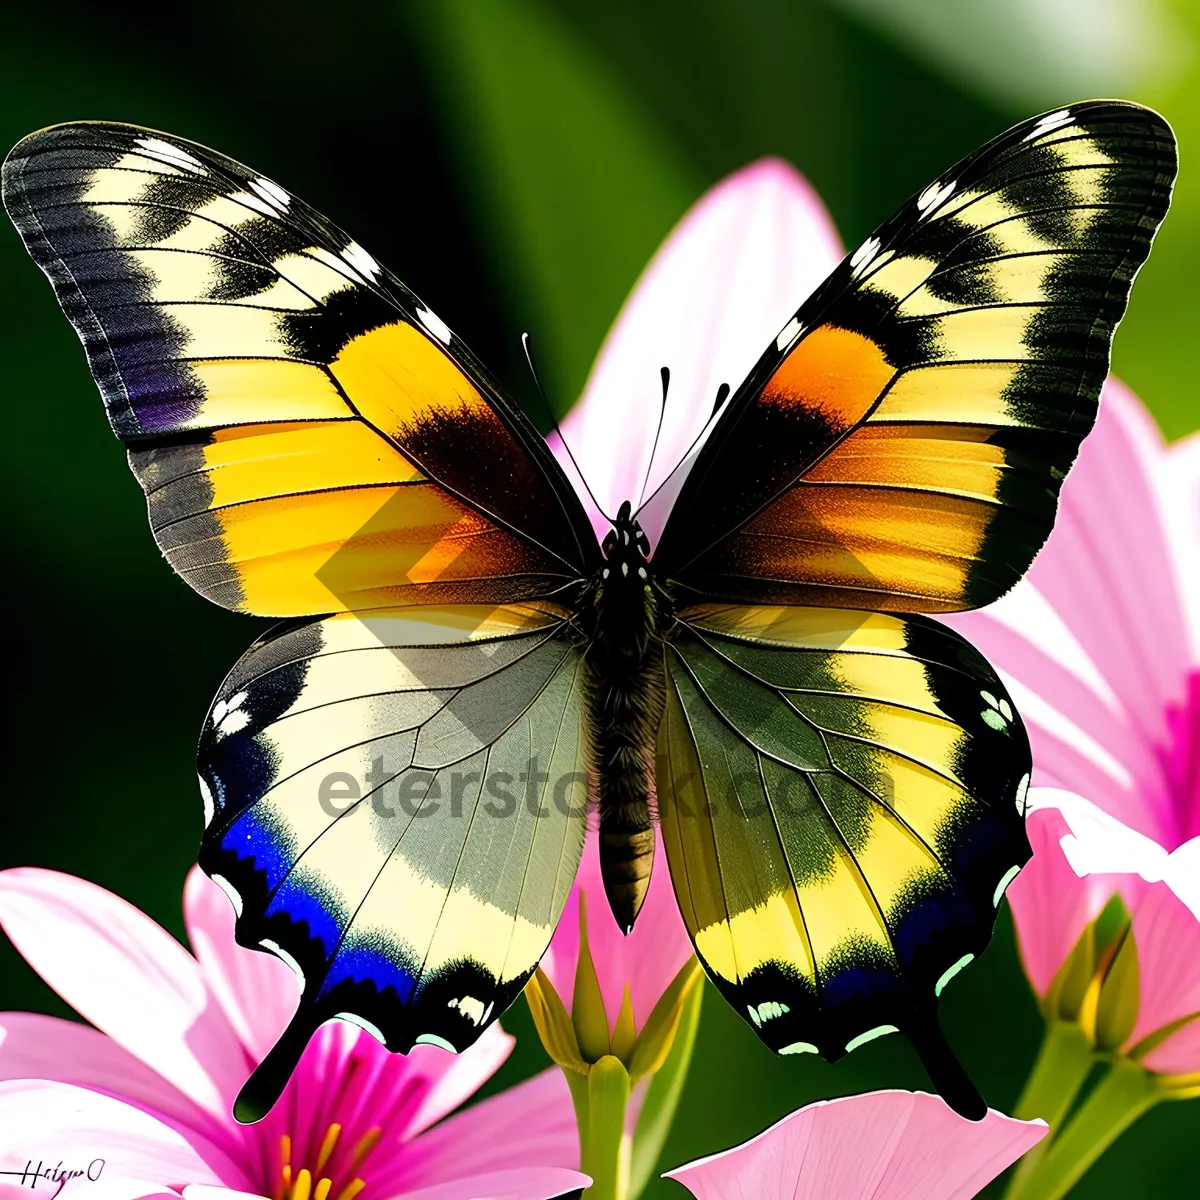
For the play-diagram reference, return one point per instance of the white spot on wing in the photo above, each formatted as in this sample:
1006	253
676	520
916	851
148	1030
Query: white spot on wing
933	197
471	1008
871	1034
210	805
1002	886
950	973
435	325
1023	794
1050	122
166	152
788	334
860	260
234	896
365	1025
432	1039
228	716
363	262
277	949
271	192
800	1048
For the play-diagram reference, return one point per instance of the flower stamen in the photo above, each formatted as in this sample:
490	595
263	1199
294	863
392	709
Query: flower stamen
318	1182
327	1146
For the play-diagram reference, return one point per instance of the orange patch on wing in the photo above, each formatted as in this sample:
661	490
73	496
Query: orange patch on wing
853	543
834	372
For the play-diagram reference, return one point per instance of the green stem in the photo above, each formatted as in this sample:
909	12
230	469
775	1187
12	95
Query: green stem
603	1144
1123	1095
1063	1064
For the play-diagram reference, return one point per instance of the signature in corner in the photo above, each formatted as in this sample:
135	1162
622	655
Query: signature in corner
53	1173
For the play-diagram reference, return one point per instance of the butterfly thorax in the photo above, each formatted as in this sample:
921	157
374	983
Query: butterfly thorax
625	676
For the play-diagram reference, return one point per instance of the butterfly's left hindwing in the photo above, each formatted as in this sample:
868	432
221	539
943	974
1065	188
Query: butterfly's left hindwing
397	807
842	801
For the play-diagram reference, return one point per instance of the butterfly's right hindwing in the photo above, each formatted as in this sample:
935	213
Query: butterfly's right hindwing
842	803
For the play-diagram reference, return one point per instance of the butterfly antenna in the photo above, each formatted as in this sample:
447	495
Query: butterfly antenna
525	345
722	393
665	373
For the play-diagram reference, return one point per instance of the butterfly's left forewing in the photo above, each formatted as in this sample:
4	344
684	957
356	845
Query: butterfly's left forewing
310	437
842	799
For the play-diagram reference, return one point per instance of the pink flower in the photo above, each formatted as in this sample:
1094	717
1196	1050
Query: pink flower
150	1088
880	1146
1100	647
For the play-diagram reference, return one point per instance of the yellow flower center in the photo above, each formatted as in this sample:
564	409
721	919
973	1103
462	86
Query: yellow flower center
296	1181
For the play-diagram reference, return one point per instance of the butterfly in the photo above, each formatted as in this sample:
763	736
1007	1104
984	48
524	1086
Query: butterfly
397	779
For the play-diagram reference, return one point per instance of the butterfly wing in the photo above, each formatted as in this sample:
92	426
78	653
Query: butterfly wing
310	437
311	440
902	443
396	805
842	802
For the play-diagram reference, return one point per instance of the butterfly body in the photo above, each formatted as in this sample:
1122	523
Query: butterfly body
396	784
629	609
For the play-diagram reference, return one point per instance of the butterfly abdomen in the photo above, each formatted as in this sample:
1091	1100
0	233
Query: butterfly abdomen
625	675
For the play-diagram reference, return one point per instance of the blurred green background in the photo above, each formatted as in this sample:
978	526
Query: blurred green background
516	162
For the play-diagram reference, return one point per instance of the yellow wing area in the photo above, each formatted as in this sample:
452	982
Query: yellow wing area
841	796
902	444
309	436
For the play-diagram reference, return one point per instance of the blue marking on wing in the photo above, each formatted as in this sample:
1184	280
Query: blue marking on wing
251	837
298	900
361	961
929	921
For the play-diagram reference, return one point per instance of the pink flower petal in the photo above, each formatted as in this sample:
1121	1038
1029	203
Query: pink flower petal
33	1046
1167	937
531	1125
536	1183
879	1146
723	284
127	976
647	959
455	1078
1179	1054
1115	530
1180	488
257	992
57	1121
1051	903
